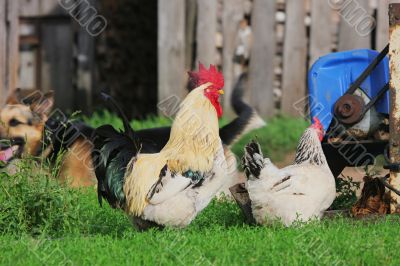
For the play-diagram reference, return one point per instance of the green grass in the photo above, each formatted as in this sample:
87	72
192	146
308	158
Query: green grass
218	236
279	137
44	223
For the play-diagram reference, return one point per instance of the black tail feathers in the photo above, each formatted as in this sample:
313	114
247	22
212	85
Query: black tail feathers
253	160
247	119
127	127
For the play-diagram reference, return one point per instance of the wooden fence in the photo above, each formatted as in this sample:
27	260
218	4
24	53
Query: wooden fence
42	47
288	36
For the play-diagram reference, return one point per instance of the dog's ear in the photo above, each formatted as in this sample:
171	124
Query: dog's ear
14	97
41	103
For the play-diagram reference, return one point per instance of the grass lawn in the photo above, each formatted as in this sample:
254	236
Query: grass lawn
43	223
218	236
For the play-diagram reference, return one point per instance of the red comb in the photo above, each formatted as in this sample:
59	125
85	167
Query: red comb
204	75
317	122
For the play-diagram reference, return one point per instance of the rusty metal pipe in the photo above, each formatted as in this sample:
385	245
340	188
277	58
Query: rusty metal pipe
394	88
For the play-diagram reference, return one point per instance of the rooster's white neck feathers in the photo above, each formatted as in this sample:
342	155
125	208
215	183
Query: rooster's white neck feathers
309	149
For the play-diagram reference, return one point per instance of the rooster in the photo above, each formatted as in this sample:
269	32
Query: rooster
168	187
115	149
300	191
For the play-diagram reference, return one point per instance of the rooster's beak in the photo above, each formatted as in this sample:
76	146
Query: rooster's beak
221	92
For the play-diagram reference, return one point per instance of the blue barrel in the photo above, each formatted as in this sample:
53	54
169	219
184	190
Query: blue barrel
331	76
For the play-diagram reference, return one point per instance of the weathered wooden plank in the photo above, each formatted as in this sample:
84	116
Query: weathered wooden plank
190	29
37	8
85	47
13	44
206	31
294	57
57	62
85	66
321	37
3	52
262	57
29	8
171	50
382	27
9	47
356	24
52	7
233	11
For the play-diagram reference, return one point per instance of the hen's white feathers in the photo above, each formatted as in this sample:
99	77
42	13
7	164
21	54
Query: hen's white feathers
300	191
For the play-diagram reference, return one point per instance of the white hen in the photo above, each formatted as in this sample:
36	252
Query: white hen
301	191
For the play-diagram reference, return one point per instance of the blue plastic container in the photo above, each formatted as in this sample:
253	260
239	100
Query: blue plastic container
331	76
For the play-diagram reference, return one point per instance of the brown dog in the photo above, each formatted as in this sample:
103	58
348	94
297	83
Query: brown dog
28	129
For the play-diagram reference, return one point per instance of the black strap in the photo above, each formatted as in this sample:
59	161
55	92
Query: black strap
368	70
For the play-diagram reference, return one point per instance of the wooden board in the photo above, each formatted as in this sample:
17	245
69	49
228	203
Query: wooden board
353	30
57	62
190	29
3	52
13	44
85	53
38	8
321	30
262	57
294	57
9	45
233	12
171	50
206	31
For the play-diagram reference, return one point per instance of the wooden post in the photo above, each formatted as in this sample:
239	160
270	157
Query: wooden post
394	122
355	25
233	12
262	57
321	30
294	57
9	47
206	31
171	49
